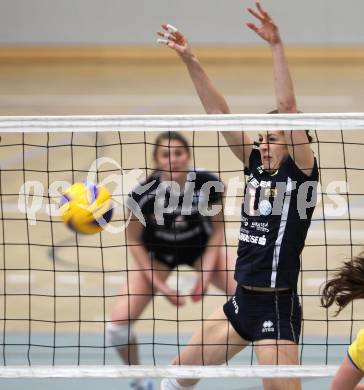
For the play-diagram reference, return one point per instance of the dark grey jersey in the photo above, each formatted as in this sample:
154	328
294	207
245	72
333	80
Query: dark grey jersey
183	233
276	214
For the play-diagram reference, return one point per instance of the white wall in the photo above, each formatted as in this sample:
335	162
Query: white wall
209	22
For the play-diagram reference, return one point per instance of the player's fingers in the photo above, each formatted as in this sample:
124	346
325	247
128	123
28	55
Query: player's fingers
175	299
163	41
166	35
181	301
181	39
176	46
261	10
196	298
174	34
173	45
252	26
255	14
196	290
170	43
171	28
179	35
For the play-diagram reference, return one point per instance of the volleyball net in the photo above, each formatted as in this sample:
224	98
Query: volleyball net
58	287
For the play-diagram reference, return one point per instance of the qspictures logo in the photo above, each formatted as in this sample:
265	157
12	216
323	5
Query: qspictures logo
35	199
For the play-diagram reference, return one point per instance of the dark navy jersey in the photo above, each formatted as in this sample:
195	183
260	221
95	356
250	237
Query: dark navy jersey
276	214
180	237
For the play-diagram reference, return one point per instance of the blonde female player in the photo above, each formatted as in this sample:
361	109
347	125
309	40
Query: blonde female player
343	288
186	234
276	214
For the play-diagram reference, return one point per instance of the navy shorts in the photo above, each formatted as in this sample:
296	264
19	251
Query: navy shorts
259	315
172	260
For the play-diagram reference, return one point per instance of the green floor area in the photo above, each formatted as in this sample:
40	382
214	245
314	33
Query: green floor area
63	350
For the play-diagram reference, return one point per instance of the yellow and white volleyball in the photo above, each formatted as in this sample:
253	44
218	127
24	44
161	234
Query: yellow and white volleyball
86	207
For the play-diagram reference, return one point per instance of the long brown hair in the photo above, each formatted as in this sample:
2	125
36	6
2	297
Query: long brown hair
346	285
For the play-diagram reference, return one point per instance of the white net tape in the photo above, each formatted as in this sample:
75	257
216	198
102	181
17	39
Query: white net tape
168	372
247	122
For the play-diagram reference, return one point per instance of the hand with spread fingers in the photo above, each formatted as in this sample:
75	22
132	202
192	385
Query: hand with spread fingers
267	30
174	39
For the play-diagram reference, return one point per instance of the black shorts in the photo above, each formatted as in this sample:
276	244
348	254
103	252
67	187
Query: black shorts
265	315
173	260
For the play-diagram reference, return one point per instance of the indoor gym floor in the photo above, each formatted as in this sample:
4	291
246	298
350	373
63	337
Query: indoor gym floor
42	88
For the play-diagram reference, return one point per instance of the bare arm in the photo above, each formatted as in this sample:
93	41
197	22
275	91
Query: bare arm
211	99
347	377
142	257
297	141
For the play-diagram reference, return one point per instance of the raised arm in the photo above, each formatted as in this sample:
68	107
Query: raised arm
297	141
211	99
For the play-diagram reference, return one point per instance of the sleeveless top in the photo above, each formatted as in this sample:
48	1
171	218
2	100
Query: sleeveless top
276	214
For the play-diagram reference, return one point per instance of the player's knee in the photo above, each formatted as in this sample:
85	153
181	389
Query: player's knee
119	335
282	384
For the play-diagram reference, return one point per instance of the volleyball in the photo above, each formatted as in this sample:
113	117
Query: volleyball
86	207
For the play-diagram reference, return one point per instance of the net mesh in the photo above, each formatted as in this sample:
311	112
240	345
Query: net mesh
58	287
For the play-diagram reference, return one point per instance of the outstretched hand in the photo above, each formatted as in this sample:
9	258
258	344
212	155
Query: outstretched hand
174	39
267	30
